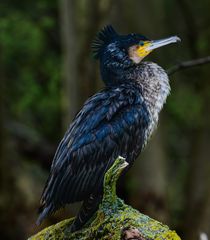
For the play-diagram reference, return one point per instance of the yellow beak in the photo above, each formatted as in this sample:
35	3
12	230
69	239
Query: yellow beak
149	46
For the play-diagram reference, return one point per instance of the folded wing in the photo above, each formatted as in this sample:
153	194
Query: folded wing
111	123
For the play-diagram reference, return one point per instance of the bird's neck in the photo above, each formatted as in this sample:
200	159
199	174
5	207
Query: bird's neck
114	65
154	84
150	78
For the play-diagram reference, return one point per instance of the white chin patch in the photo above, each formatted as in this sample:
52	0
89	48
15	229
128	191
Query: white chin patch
136	59
132	52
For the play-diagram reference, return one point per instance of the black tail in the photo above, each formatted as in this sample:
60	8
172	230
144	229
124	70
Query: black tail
44	211
89	207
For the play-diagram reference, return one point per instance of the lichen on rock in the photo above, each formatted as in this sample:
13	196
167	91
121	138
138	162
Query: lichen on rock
114	219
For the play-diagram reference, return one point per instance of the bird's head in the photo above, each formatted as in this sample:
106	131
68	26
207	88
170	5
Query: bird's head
117	52
140	47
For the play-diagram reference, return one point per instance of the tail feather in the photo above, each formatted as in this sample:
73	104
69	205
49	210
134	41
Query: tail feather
43	213
89	207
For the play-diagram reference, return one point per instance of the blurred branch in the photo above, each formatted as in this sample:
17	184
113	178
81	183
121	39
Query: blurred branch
188	64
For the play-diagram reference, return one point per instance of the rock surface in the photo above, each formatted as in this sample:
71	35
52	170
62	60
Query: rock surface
114	219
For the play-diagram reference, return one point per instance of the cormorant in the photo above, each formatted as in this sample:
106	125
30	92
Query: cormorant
118	120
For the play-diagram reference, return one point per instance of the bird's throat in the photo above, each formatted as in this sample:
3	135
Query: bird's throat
154	84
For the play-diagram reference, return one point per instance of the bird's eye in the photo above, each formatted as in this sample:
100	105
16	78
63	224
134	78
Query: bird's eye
141	43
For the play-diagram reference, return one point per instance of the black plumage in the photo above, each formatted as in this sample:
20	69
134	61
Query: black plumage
116	121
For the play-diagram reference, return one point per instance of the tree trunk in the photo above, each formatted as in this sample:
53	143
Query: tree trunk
79	23
198	210
70	88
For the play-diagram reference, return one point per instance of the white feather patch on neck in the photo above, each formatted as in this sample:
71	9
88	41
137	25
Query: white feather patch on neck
132	52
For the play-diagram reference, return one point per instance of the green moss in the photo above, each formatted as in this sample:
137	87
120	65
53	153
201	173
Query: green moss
112	219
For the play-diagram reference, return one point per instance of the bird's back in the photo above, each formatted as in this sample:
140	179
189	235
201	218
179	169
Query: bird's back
111	123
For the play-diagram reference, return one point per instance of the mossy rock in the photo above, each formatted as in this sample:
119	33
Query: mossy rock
114	219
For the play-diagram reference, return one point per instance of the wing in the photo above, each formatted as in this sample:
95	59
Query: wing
111	123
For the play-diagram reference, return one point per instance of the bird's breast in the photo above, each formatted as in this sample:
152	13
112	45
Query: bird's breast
154	84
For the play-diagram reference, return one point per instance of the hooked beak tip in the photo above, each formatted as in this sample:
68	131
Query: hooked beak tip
163	42
177	39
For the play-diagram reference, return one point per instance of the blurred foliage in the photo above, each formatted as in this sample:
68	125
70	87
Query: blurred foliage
30	49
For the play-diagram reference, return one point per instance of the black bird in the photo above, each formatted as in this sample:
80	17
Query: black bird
116	121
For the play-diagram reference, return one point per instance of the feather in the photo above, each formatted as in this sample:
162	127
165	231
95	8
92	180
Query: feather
103	38
101	131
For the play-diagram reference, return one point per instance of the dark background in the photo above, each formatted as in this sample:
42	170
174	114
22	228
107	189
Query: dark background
47	72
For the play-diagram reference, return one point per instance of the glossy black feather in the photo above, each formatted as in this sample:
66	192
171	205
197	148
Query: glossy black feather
103	38
110	124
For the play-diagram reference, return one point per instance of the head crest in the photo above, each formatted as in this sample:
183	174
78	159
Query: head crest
103	38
